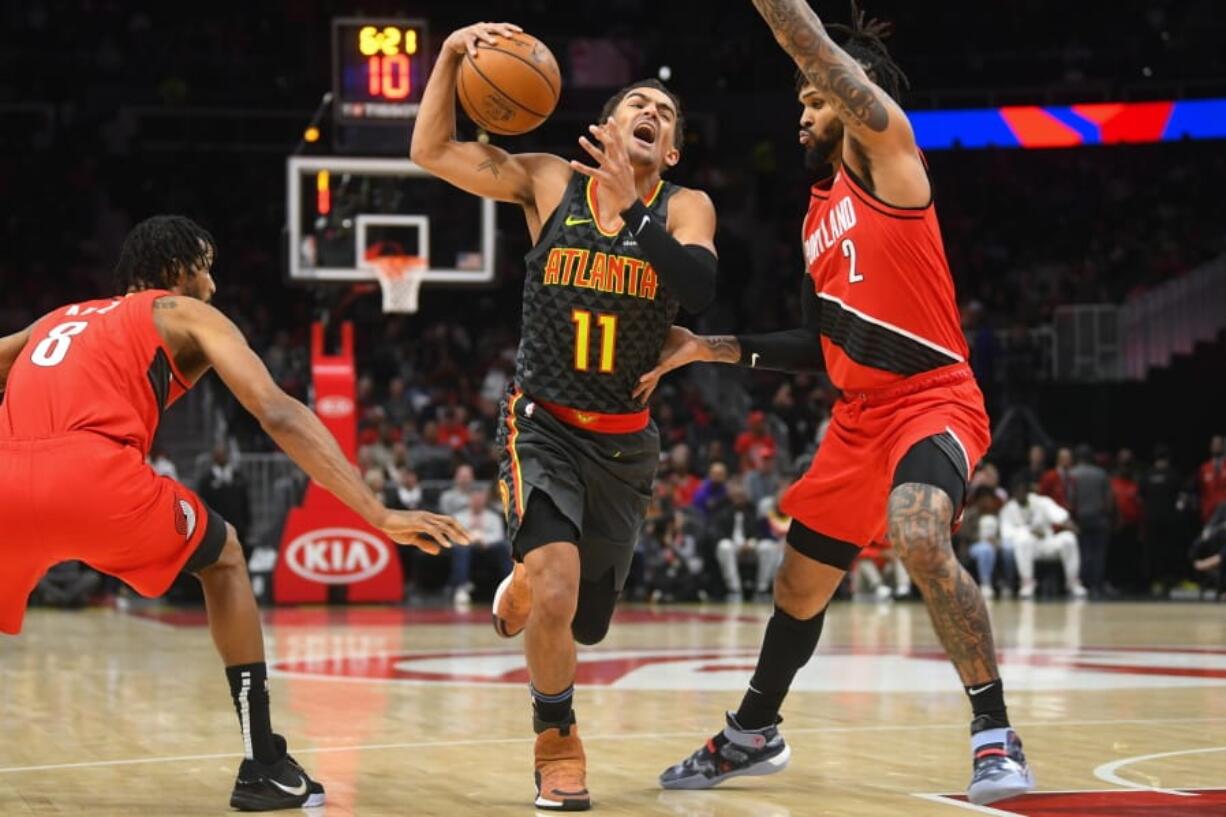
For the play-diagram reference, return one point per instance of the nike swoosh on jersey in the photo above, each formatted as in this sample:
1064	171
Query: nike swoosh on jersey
296	791
571	221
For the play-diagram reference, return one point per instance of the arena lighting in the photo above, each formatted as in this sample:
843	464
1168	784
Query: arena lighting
1061	126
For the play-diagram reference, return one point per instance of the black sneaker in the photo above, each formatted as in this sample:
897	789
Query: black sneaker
734	752
278	785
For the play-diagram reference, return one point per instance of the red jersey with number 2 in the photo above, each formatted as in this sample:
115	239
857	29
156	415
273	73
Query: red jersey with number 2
887	297
98	366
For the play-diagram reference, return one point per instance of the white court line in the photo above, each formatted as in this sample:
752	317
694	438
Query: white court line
1107	771
946	801
626	736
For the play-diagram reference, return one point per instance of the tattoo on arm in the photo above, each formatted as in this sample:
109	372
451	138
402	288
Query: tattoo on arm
165	303
491	164
836	75
919	517
724	348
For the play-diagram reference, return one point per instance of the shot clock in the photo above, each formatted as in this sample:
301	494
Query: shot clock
379	69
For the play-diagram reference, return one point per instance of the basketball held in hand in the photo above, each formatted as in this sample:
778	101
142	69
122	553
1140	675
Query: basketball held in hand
512	86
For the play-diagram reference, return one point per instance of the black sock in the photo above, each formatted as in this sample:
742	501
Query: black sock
553	708
787	646
988	705
249	690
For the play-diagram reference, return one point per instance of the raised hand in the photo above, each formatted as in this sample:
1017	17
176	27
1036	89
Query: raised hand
427	531
613	169
464	40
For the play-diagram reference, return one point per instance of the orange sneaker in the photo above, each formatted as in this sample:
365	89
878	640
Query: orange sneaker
561	768
512	602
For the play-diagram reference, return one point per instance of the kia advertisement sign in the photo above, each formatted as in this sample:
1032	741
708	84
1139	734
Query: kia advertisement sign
337	555
328	553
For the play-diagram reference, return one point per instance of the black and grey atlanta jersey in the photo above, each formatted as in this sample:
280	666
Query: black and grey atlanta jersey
595	313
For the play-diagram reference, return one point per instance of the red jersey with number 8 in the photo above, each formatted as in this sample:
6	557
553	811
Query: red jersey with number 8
888	309
99	366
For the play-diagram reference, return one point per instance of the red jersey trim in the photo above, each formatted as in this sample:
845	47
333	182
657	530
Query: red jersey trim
865	195
154	294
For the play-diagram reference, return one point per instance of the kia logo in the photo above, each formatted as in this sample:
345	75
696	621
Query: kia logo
334	405
337	555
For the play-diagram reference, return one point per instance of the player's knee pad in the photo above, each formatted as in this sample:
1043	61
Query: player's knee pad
595	610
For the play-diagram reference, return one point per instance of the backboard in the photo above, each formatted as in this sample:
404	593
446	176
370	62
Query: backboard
344	211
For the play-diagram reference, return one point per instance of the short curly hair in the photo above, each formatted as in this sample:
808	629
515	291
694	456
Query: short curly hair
160	249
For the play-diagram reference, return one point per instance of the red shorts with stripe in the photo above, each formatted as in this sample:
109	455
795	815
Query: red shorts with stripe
82	496
844	493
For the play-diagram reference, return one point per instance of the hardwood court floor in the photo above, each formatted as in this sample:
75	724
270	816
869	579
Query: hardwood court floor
410	712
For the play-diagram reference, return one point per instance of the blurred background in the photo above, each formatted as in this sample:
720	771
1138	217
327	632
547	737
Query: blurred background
1091	277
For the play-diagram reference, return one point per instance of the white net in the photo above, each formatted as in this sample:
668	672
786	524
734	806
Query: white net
400	279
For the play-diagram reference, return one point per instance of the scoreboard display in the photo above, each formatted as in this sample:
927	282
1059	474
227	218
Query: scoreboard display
379	69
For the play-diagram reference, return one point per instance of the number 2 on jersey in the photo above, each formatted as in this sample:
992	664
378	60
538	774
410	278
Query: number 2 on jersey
51	350
583	339
849	251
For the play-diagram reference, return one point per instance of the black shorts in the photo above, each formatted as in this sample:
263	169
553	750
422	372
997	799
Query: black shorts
600	484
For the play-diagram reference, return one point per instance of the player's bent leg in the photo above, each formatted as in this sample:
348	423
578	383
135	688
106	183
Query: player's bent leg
920	513
750	743
268	778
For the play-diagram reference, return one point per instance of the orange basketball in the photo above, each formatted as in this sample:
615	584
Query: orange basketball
512	87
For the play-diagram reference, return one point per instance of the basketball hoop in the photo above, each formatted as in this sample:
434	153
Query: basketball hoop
400	278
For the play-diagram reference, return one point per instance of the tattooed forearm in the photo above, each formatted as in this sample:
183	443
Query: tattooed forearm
165	303
834	73
722	348
919	519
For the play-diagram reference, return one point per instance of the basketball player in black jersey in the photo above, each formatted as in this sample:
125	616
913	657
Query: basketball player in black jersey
616	252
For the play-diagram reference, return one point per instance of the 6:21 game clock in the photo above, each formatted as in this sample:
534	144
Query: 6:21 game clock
379	68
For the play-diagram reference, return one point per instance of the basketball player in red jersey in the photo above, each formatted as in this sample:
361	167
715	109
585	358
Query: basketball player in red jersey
84	390
617	250
910	425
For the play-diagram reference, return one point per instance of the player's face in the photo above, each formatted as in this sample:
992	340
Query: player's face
821	131
648	120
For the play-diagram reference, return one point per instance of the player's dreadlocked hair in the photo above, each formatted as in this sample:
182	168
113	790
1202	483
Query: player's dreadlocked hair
864	40
159	249
616	99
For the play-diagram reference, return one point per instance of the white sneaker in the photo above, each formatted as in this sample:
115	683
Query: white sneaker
883	593
462	597
988	592
1078	591
1027	591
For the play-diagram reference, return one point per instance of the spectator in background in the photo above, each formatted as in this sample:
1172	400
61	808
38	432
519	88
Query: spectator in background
1055	483
1211	478
1125	564
453	430
673	567
406	491
428	457
873	566
754	440
488	533
1035	467
1093	507
713	491
376	481
224	489
737	532
479	454
685	483
397	407
986	550
1037	527
1160	493
162	464
1209	552
763	481
456	498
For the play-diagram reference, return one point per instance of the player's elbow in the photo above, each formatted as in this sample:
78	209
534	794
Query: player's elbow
278	413
425	151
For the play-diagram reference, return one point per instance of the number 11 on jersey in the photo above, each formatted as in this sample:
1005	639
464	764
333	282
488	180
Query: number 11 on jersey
582	319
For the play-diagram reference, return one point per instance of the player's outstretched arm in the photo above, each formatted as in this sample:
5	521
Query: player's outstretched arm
872	119
483	170
295	428
10	348
789	350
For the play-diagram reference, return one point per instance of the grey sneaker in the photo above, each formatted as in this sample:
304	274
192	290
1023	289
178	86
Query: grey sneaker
1000	769
734	752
